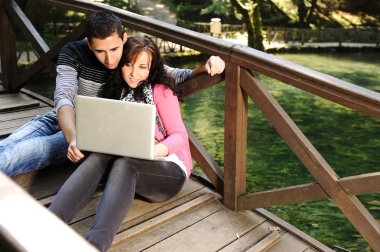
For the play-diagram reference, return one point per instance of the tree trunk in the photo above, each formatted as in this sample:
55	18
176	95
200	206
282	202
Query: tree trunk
252	18
257	25
305	15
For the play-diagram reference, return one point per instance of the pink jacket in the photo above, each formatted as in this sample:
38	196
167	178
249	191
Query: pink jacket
177	140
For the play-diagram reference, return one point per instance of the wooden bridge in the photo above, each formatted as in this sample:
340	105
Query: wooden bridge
221	216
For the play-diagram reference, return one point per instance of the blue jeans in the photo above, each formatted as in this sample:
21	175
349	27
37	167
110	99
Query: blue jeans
36	145
155	181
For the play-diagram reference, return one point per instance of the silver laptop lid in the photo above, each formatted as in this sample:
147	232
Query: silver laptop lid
115	127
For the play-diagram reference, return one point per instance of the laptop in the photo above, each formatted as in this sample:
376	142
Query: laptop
115	127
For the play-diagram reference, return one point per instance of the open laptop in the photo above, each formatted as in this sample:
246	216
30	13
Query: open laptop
115	127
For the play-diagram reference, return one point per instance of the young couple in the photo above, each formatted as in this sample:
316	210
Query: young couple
111	65
84	67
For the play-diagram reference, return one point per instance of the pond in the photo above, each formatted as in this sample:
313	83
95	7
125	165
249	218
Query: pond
346	139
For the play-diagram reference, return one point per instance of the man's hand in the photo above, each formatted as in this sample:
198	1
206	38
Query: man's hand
214	65
66	120
73	153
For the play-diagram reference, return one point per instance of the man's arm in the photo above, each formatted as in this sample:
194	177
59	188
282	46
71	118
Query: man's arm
64	95
66	120
214	65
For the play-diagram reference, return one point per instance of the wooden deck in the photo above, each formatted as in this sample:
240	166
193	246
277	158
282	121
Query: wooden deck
194	220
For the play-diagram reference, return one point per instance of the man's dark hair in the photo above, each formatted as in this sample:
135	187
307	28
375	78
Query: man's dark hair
103	24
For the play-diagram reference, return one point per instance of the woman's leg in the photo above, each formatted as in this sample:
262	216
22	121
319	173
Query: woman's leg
78	190
154	180
158	181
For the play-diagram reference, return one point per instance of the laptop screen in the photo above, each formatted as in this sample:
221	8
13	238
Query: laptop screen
115	127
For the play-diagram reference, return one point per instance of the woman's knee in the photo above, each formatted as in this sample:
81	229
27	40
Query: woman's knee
99	157
123	167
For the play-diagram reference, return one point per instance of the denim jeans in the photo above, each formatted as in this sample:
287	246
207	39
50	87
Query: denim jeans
36	145
155	181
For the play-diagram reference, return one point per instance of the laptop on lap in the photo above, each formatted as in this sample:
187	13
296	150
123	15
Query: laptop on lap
115	127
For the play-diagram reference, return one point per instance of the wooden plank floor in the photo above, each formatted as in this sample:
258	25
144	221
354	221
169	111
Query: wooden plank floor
194	220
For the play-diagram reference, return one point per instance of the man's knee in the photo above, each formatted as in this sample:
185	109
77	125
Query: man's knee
8	161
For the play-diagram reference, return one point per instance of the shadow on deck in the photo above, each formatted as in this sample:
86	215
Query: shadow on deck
194	220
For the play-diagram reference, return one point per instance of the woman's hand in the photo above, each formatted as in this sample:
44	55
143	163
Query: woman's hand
160	150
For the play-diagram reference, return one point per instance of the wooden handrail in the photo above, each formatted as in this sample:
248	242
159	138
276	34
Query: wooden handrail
240	84
322	85
20	214
328	87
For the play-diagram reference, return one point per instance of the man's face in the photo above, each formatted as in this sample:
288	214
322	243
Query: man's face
108	50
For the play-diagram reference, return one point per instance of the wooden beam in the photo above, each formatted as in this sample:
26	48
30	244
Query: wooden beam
354	185
352	208
235	137
361	184
8	57
30	32
282	196
52	54
199	83
206	162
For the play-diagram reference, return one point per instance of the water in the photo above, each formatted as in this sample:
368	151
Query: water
346	139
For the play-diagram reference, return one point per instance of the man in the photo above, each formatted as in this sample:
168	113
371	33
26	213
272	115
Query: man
83	67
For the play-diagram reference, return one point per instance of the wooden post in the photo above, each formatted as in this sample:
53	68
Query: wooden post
235	137
350	205
8	57
269	35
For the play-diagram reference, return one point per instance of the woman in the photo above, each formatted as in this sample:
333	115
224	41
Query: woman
144	80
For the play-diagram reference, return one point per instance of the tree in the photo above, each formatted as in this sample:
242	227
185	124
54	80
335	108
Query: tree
364	8
250	10
330	13
305	14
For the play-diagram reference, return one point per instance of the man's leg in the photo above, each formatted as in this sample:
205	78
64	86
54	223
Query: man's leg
34	146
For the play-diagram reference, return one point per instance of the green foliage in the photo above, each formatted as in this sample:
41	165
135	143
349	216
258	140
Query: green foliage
334	13
369	7
190	10
125	5
224	10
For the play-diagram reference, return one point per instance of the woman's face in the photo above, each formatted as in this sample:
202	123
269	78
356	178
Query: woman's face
134	73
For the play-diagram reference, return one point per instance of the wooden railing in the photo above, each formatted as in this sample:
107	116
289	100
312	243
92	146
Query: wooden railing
240	85
21	215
